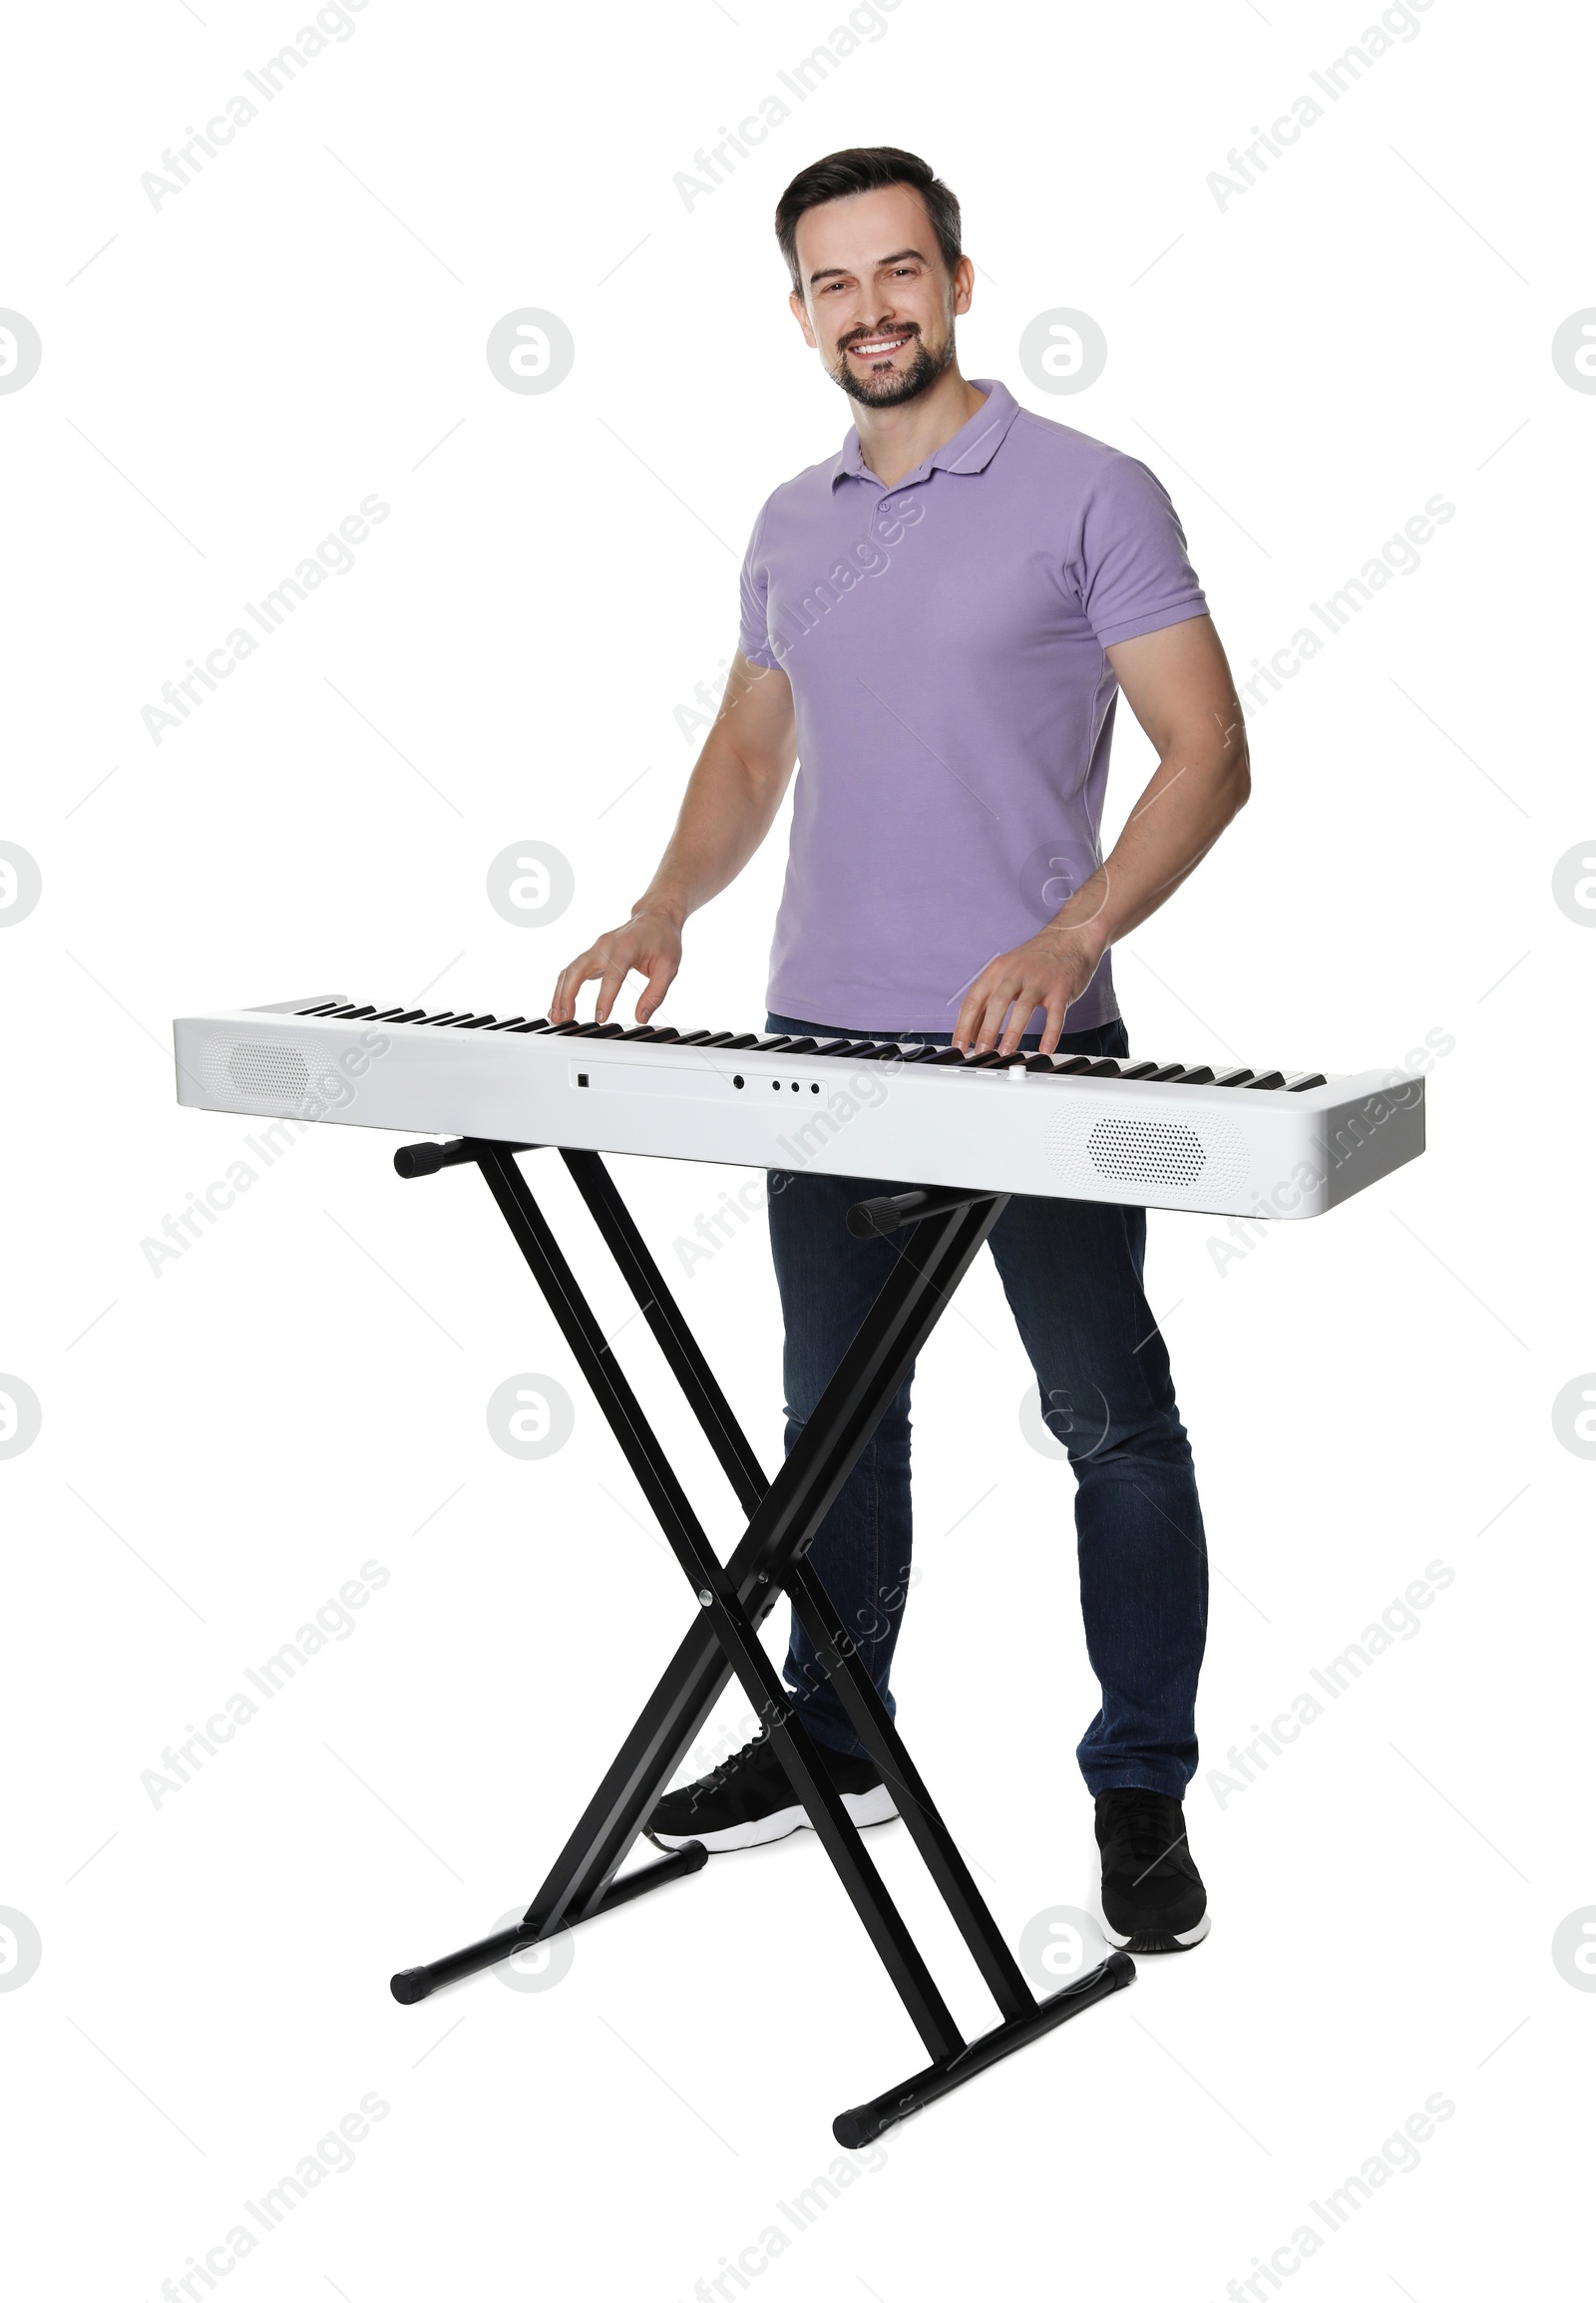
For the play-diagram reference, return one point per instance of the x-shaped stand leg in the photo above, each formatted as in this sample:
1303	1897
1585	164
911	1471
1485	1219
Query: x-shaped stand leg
784	1517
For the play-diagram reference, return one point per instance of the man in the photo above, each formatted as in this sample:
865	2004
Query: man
938	620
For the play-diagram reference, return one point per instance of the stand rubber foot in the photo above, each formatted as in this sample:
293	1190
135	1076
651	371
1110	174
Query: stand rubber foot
861	2125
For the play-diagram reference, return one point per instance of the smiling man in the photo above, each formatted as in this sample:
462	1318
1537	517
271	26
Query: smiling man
937	622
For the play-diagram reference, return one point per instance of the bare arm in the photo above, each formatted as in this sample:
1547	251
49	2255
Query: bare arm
1178	684
732	796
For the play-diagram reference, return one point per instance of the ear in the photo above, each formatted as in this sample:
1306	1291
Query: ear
796	305
964	284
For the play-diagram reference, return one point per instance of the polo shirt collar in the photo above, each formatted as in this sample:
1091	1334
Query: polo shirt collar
971	449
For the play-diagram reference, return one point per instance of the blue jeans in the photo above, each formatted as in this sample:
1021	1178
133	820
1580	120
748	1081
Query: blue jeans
1072	1273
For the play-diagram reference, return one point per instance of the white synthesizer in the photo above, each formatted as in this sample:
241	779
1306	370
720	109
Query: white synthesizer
1225	1140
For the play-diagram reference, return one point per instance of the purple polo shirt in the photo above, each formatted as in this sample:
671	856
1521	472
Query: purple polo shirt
945	642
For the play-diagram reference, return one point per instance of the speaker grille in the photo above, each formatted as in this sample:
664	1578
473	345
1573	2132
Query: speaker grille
254	1074
1146	1151
1206	1159
279	1072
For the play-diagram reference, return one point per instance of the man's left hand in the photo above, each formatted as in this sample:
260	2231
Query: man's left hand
1050	971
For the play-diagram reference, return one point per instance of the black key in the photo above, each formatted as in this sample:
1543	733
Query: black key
718	1039
450	1015
883	1051
607	1031
1312	1079
945	1055
1105	1067
983	1062
1237	1076
665	1031
765	1047
475	1023
411	1016
1039	1063
801	1047
505	1023
348	1009
640	1031
537	1023
920	1053
1198	1076
1269	1079
1139	1070
1070	1063
1167	1071
744	1039
692	1038
327	1007
388	1016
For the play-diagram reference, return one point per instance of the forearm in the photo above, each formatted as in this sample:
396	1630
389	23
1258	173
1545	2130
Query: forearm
1199	787
731	799
728	807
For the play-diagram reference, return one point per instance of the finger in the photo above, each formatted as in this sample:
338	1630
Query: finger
660	977
609	984
1058	1009
975	1002
991	1021
568	984
1028	998
965	1022
1018	1020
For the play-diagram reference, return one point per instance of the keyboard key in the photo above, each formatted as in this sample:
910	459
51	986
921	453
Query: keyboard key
766	1046
1105	1067
1167	1071
1308	1079
1198	1076
1268	1079
508	1023
1139	1070
1237	1076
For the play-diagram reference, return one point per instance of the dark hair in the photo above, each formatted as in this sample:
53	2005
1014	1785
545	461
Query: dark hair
865	169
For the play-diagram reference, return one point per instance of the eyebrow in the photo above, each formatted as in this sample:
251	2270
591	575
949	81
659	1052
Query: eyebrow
832	272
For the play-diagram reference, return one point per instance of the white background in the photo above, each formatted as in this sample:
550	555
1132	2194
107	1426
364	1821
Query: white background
303	1390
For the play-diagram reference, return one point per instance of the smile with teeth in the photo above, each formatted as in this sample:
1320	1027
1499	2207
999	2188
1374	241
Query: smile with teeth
878	347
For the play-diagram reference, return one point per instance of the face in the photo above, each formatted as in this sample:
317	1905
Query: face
878	302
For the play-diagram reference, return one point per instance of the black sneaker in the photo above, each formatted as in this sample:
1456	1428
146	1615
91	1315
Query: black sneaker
1153	1899
748	1800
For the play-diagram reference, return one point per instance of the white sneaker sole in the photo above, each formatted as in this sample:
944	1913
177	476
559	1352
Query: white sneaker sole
1166	1941
865	1808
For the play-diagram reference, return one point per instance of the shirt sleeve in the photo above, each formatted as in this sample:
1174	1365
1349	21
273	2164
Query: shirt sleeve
1130	565
753	636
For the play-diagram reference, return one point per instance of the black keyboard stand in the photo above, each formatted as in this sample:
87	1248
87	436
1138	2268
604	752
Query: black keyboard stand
943	1233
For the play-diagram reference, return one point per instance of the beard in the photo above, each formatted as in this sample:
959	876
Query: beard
892	388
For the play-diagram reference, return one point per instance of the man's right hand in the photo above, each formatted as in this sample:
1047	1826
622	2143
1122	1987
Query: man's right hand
648	945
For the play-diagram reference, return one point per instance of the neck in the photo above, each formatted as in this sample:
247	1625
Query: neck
894	441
